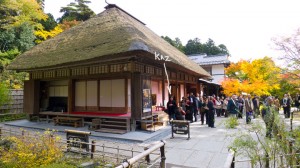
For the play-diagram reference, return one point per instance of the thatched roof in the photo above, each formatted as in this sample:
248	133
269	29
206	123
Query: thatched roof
111	32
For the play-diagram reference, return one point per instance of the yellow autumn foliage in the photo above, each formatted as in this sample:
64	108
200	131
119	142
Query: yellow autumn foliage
29	11
43	35
32	151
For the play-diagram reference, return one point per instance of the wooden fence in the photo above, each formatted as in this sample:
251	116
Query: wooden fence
16	103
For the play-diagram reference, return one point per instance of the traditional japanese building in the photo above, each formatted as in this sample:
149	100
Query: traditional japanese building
109	67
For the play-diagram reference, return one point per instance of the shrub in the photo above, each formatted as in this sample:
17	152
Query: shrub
4	94
29	151
231	122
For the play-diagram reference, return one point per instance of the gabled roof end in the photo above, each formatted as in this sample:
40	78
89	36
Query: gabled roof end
115	6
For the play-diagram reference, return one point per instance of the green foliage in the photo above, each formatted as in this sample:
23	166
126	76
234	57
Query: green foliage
264	149
12	117
50	23
56	165
76	11
4	94
20	38
231	122
176	43
196	47
24	37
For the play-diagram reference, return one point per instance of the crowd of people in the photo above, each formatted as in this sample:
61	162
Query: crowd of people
195	107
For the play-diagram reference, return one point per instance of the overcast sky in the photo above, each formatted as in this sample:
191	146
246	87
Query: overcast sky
245	27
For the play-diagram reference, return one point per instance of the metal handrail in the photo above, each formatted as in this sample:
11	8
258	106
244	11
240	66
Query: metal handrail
230	160
144	154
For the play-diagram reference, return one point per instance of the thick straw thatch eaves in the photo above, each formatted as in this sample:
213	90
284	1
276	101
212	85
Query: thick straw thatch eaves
111	32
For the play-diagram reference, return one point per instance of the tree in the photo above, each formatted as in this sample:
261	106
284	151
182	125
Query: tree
21	38
193	47
260	77
76	11
16	13
176	43
290	47
50	23
223	49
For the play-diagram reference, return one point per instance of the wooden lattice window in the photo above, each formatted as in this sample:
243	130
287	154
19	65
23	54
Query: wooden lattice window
158	71
62	73
37	75
79	71
139	68
49	74
149	69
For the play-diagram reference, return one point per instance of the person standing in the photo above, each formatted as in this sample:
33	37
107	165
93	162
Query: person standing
276	104
188	115
218	106
232	106
193	105
224	107
183	103
241	106
255	101
211	113
286	104
248	108
204	110
171	105
269	116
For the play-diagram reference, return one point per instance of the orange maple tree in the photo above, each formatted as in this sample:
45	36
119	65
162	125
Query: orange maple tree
260	77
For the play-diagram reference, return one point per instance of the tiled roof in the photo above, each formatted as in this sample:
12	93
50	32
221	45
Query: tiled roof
209	60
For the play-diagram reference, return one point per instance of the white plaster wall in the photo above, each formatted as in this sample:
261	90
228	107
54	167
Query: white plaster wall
218	73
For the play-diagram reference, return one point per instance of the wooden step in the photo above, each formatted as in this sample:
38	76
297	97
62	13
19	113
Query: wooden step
109	125
114	122
114	131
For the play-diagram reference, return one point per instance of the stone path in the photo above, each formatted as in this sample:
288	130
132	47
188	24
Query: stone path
207	148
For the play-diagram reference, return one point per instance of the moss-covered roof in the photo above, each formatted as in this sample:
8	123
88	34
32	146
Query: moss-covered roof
111	32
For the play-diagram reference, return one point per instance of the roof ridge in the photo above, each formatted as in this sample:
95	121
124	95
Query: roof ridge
109	6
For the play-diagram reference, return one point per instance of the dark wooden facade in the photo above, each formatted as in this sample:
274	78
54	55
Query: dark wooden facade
136	71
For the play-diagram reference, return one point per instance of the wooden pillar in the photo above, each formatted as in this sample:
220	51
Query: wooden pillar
31	97
71	97
136	96
197	86
163	91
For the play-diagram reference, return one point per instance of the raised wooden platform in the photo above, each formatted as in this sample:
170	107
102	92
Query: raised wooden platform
101	122
76	122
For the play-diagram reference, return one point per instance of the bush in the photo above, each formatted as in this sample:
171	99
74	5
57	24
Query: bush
231	122
12	117
4	94
29	151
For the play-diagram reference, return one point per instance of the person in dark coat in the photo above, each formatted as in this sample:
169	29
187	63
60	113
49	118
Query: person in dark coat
193	105
211	113
255	102
171	105
232	106
286	104
189	114
179	113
